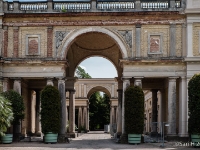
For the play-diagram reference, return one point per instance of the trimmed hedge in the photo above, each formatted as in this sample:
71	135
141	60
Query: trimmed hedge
50	109
134	110
17	105
194	105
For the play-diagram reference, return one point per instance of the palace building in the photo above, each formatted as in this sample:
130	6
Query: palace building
154	44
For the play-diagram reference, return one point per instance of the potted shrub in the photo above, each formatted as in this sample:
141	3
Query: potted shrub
50	113
194	109
134	113
6	115
18	108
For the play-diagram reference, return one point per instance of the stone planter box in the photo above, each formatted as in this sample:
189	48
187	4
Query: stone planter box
7	138
134	138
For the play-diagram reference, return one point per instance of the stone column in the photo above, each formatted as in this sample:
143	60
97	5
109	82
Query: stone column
5	84
154	113
138	81
61	88
37	114
189	40
80	116
50	81
88	119
172	106
183	107
137	40
126	83
119	119
17	127
85	117
17	86
72	113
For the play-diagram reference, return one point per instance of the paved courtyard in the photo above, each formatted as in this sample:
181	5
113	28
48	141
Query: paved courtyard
92	140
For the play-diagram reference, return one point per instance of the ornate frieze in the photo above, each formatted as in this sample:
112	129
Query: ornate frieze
60	35
127	36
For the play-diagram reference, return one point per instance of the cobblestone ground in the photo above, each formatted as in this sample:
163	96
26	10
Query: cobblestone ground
92	140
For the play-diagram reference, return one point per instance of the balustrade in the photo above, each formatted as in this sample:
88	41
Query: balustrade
101	5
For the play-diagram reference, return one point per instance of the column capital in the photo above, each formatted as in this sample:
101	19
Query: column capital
72	91
125	78
61	80
172	79
119	90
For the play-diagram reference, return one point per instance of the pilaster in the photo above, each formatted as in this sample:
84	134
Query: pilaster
15	42
173	39
137	40
189	39
5	84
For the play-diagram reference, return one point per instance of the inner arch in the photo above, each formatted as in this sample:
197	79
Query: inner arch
98	88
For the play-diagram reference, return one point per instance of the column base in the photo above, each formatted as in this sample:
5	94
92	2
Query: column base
72	135
183	135
124	138
38	134
61	138
176	138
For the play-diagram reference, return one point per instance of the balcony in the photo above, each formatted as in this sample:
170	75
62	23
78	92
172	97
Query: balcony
64	6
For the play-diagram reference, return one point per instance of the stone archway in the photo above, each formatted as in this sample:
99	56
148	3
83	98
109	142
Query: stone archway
72	36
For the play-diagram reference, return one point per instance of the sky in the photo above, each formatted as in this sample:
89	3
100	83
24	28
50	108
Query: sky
99	67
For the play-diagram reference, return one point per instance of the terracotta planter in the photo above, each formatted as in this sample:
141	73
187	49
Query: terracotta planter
134	138
7	138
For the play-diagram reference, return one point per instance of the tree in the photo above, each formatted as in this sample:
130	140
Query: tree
99	111
194	105
50	109
6	114
80	73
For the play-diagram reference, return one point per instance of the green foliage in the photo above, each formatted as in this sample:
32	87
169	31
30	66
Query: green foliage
6	114
50	109
80	73
134	110
194	105
99	111
17	105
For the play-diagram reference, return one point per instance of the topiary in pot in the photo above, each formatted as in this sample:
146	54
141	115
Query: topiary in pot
18	108
50	113
194	108
134	113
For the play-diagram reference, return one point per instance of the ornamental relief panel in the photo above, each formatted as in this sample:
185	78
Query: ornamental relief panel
155	41
32	42
196	39
128	36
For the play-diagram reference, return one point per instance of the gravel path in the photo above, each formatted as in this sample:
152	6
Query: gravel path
93	140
